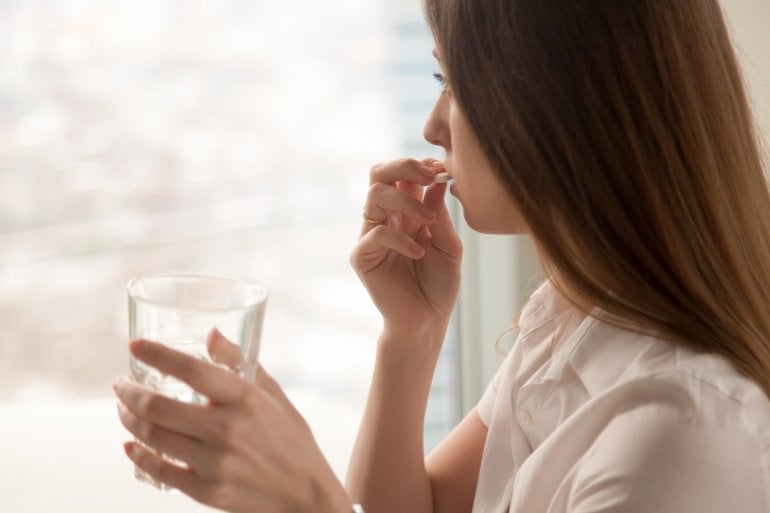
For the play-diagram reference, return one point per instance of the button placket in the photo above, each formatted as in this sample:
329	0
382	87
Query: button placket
526	410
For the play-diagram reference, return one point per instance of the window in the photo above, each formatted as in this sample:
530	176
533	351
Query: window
226	137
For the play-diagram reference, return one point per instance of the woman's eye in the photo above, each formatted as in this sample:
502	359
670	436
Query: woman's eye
440	79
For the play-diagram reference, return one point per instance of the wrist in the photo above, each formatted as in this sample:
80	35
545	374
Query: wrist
426	339
413	352
405	365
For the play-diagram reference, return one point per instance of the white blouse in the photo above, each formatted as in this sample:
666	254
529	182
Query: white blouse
587	417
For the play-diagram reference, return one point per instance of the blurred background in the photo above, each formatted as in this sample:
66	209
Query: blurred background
229	137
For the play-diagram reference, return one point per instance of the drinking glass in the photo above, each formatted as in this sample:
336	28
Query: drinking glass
179	310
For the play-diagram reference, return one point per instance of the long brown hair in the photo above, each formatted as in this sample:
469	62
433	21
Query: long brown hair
623	133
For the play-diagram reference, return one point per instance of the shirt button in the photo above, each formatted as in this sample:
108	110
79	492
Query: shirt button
525	417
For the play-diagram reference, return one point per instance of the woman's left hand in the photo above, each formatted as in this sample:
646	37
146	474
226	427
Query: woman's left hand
247	450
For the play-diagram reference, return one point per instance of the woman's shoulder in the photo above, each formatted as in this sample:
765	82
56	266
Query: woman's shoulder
684	422
675	439
721	397
704	387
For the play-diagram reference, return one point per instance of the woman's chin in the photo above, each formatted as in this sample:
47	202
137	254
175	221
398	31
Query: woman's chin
496	226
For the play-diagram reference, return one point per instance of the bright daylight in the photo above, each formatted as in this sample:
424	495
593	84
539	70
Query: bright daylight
233	139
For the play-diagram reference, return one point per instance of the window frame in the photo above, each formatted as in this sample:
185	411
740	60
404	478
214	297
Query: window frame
499	274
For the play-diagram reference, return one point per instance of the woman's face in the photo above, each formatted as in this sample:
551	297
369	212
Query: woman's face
487	207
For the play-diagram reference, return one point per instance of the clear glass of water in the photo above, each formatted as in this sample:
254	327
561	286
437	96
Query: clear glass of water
180	310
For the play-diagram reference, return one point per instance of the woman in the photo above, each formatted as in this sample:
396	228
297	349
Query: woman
618	136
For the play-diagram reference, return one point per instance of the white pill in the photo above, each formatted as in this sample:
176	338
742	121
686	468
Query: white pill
442	178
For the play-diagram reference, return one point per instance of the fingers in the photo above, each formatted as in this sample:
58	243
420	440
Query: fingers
158	409
434	197
168	442
442	235
384	199
409	170
434	200
373	248
163	471
224	352
219	385
399	200
397	187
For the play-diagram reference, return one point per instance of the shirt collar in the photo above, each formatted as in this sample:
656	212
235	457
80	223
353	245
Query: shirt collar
544	305
604	355
600	353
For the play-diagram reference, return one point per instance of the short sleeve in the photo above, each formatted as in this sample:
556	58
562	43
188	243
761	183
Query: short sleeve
655	457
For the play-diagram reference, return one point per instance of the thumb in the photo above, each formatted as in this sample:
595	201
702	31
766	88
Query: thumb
442	227
222	351
441	233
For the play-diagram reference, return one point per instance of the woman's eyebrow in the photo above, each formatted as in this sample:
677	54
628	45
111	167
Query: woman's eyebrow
435	55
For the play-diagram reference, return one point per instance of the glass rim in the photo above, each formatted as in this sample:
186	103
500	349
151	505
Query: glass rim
260	299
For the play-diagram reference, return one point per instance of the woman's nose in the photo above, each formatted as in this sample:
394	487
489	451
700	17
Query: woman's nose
436	129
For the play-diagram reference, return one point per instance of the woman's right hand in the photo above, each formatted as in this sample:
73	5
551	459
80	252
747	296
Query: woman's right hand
408	255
